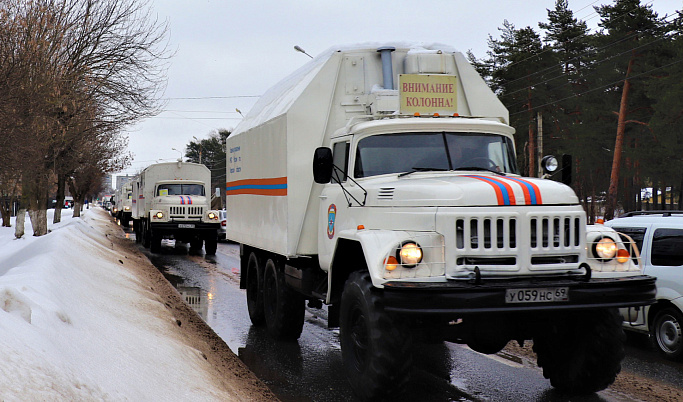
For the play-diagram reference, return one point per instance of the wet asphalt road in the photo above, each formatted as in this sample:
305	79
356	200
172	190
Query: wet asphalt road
311	369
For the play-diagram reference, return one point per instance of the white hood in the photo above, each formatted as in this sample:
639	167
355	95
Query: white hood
467	189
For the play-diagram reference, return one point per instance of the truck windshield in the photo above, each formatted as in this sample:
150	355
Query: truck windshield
180	189
408	152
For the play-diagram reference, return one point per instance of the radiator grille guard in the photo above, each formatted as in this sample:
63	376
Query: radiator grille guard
182	212
502	242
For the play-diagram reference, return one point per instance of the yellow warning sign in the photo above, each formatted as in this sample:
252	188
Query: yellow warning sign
428	93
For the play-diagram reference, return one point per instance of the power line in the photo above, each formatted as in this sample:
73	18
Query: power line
213	97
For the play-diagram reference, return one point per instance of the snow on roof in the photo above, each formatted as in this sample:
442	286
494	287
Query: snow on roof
278	99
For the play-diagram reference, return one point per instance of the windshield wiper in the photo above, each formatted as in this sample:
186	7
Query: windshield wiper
422	169
480	169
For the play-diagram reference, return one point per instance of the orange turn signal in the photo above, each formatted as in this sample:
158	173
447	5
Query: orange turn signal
391	263
623	255
417	114
599	221
360	227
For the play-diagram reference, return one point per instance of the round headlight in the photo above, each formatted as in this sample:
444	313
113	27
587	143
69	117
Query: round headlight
159	215
212	215
410	254
126	208
605	248
549	163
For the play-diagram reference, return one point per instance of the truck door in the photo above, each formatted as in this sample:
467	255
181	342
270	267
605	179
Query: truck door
333	204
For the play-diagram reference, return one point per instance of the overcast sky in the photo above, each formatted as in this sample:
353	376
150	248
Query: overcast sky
230	52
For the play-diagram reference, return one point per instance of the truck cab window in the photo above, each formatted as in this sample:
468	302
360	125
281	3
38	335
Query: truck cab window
406	152
340	159
180	189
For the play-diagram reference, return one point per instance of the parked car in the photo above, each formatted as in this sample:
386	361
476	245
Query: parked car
659	237
221	230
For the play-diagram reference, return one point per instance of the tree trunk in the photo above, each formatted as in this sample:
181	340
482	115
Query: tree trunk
655	196
618	145
77	208
61	185
19	226
5	212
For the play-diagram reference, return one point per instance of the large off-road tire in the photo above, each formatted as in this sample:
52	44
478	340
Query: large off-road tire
210	245
376	346
146	236
283	307
196	244
667	333
155	242
581	353
255	291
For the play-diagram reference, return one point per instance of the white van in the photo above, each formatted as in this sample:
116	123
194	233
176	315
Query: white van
659	236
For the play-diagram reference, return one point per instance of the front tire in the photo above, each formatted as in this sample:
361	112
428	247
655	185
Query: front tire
283	307
581	353
667	333
375	345
155	242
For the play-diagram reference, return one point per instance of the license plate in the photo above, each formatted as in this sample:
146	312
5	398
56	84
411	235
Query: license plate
537	295
186	225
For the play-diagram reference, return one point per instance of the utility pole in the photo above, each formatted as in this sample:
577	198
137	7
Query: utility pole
539	143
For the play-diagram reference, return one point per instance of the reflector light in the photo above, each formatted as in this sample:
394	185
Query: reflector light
436	115
417	114
600	221
360	227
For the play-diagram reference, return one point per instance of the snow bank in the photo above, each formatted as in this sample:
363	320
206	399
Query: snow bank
76	324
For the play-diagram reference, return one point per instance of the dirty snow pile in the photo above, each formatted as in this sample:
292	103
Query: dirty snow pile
76	325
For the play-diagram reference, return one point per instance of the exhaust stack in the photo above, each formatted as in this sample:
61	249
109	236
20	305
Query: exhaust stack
387	69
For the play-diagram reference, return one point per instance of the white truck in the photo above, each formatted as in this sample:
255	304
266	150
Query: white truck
170	201
124	204
401	209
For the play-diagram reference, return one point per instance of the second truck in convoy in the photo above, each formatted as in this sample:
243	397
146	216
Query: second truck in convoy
401	208
170	201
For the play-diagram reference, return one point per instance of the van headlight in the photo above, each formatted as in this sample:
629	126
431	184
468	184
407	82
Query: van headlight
410	254
605	248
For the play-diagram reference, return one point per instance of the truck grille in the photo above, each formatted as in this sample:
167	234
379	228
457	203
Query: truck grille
514	242
186	212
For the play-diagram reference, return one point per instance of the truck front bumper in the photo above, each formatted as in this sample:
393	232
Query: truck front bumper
189	227
463	298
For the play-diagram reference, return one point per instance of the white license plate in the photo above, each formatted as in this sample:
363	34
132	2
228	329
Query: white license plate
186	226
536	295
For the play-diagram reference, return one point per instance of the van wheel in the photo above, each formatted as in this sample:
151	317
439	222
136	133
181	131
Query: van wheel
581	353
283	307
375	345
667	333
255	291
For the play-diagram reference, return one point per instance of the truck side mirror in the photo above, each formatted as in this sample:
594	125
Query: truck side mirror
322	165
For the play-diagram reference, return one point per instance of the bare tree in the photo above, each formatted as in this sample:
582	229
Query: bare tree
78	72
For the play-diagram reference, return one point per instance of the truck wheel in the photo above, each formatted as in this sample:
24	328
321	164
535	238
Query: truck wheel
155	242
581	353
283	308
254	291
211	245
667	333
196	244
375	345
146	238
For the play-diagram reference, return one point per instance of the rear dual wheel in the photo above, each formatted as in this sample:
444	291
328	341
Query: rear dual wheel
283	307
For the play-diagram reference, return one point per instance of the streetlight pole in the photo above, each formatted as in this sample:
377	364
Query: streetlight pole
200	148
181	154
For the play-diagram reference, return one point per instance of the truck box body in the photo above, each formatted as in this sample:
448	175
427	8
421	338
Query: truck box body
269	153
